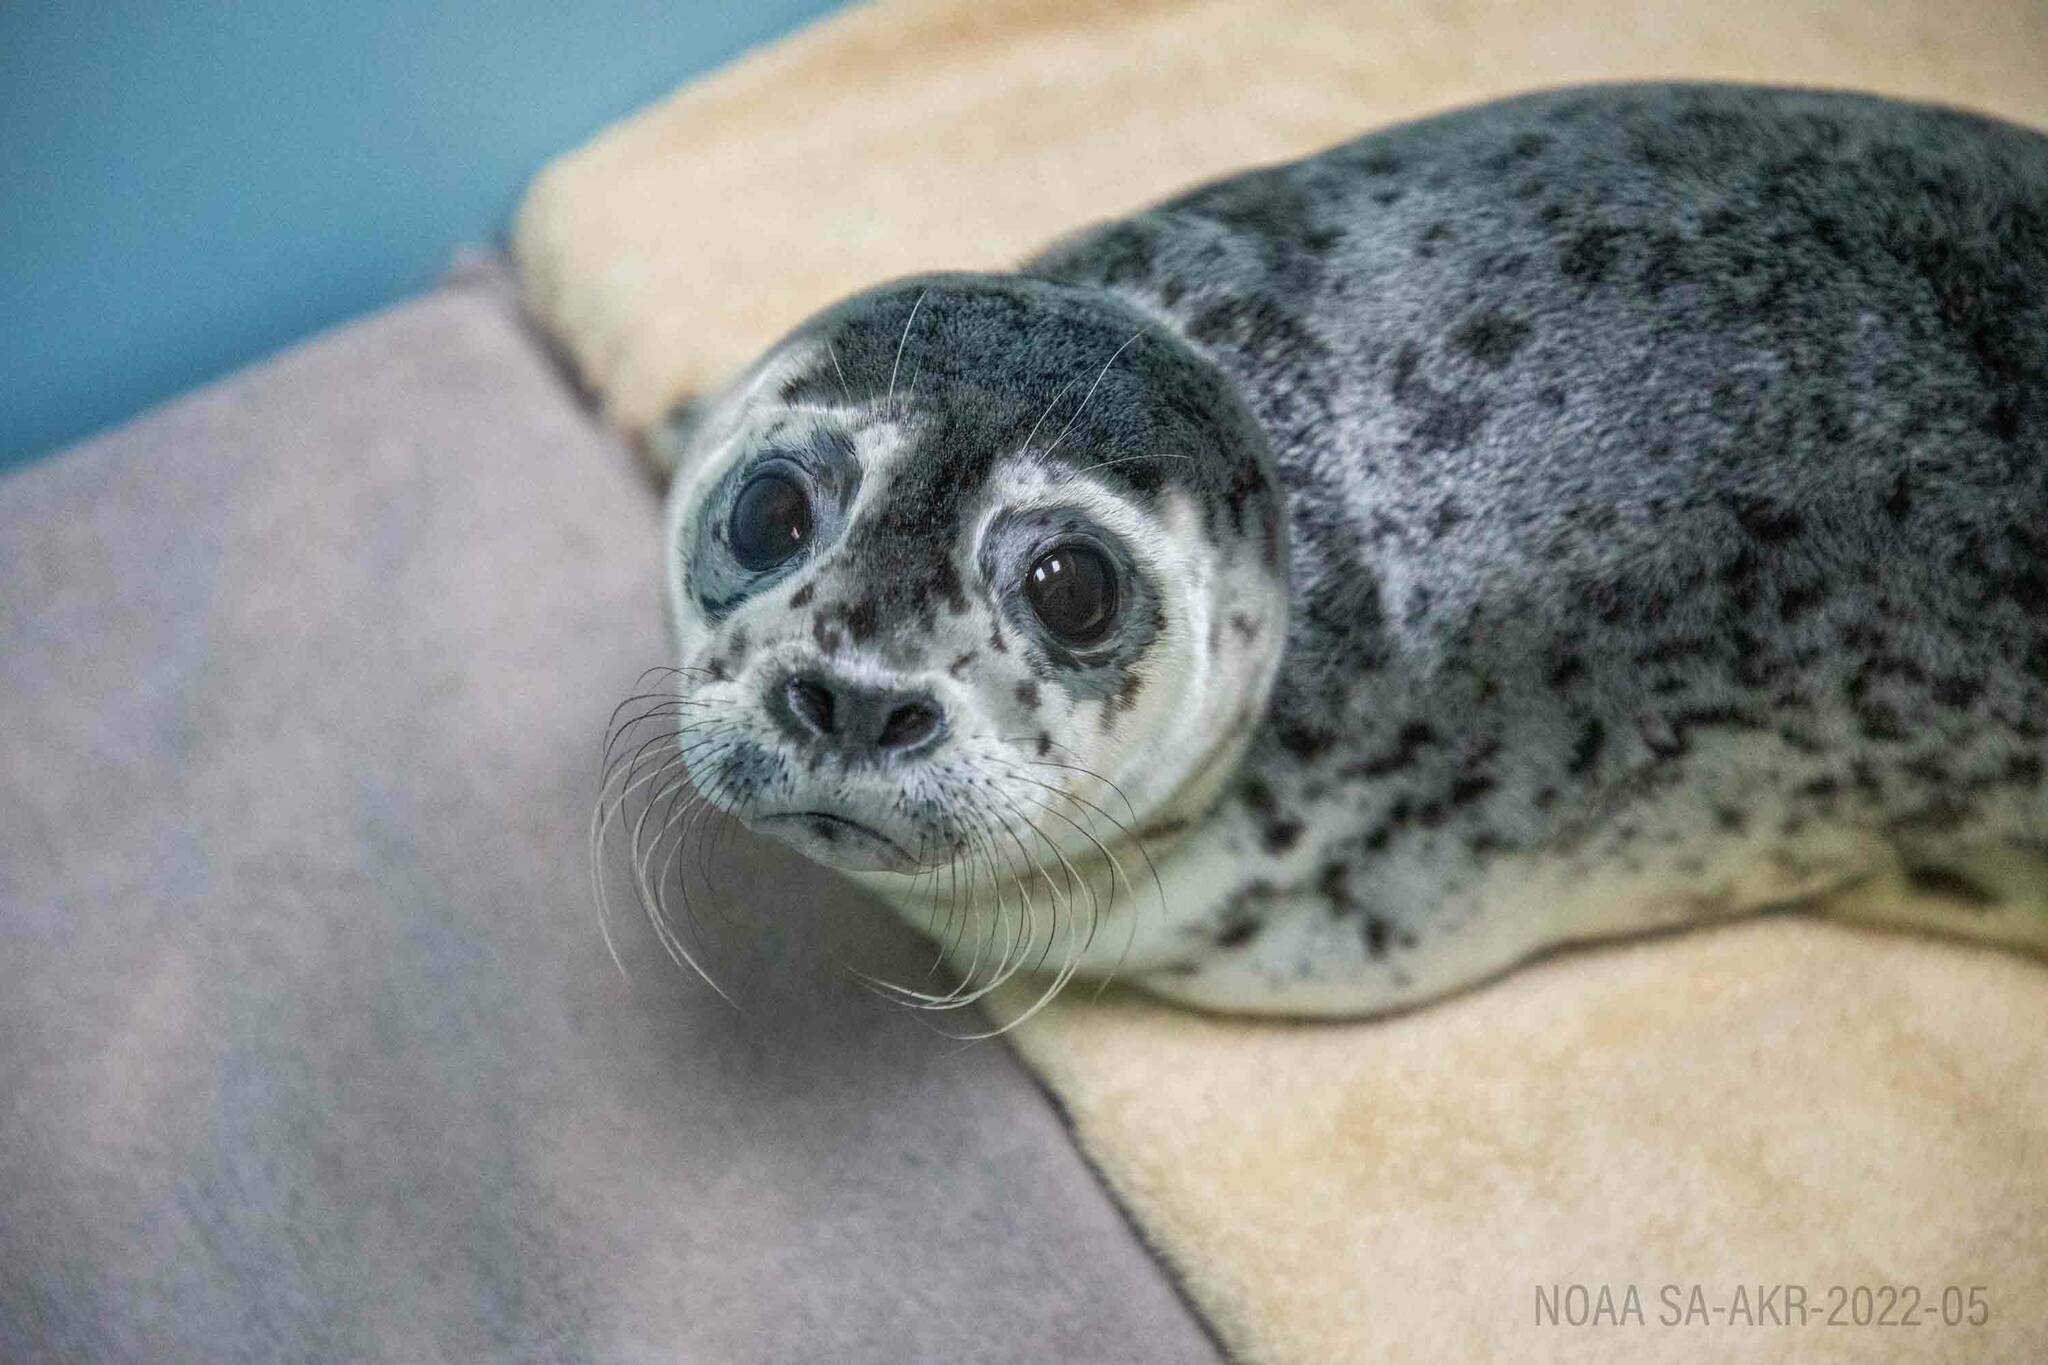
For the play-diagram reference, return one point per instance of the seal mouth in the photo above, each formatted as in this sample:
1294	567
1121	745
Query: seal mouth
827	837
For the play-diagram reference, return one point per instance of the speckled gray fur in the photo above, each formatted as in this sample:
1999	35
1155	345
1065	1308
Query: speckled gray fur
1665	479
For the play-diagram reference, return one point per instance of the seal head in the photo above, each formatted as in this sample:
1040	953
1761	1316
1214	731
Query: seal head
972	568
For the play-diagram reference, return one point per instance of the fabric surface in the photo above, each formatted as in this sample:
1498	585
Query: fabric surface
310	1048
1779	1103
1776	1103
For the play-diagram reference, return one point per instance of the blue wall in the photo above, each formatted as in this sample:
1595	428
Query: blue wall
187	184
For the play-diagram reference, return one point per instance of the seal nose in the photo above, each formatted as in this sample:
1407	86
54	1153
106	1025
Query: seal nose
824	711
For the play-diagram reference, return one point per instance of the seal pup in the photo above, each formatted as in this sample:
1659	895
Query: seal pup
1583	515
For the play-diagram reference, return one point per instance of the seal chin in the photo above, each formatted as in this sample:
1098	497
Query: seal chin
828	838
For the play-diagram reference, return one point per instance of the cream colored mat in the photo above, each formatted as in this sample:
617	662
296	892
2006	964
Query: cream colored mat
1769	1105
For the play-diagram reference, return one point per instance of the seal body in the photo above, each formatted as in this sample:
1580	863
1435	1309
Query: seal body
1663	485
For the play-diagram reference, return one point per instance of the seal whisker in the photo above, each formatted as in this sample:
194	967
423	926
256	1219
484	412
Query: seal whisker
928	1000
652	893
638	694
663	778
692	814
1019	951
653	901
1129	810
1100	907
1128	459
602	814
1117	869
990	933
704	809
1024	854
901	343
1011	955
1090	395
724	789
952	899
1076	951
845	390
1026	445
1129	836
682	808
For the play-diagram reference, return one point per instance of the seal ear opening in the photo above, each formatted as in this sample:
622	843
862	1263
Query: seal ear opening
661	449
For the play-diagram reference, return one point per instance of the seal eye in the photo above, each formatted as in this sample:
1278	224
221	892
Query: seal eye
1073	590
771	521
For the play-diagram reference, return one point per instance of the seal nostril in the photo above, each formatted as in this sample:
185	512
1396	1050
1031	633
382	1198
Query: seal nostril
811	703
909	725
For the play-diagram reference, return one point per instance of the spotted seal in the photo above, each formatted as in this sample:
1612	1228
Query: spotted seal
1597	512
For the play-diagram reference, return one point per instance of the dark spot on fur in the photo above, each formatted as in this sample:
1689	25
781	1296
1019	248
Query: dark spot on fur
1377	931
1949	885
1491	338
862	620
802	596
1414	737
826	634
1663	266
1127	693
1402	378
1027	695
949	585
1443	421
1880	721
1282	835
1258	797
1124	254
1469	788
1334	882
1586	751
1235	933
1957	690
960	662
1451	423
1802	740
2003	421
1797	600
1302	741
1588	257
1766	521
1257	326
